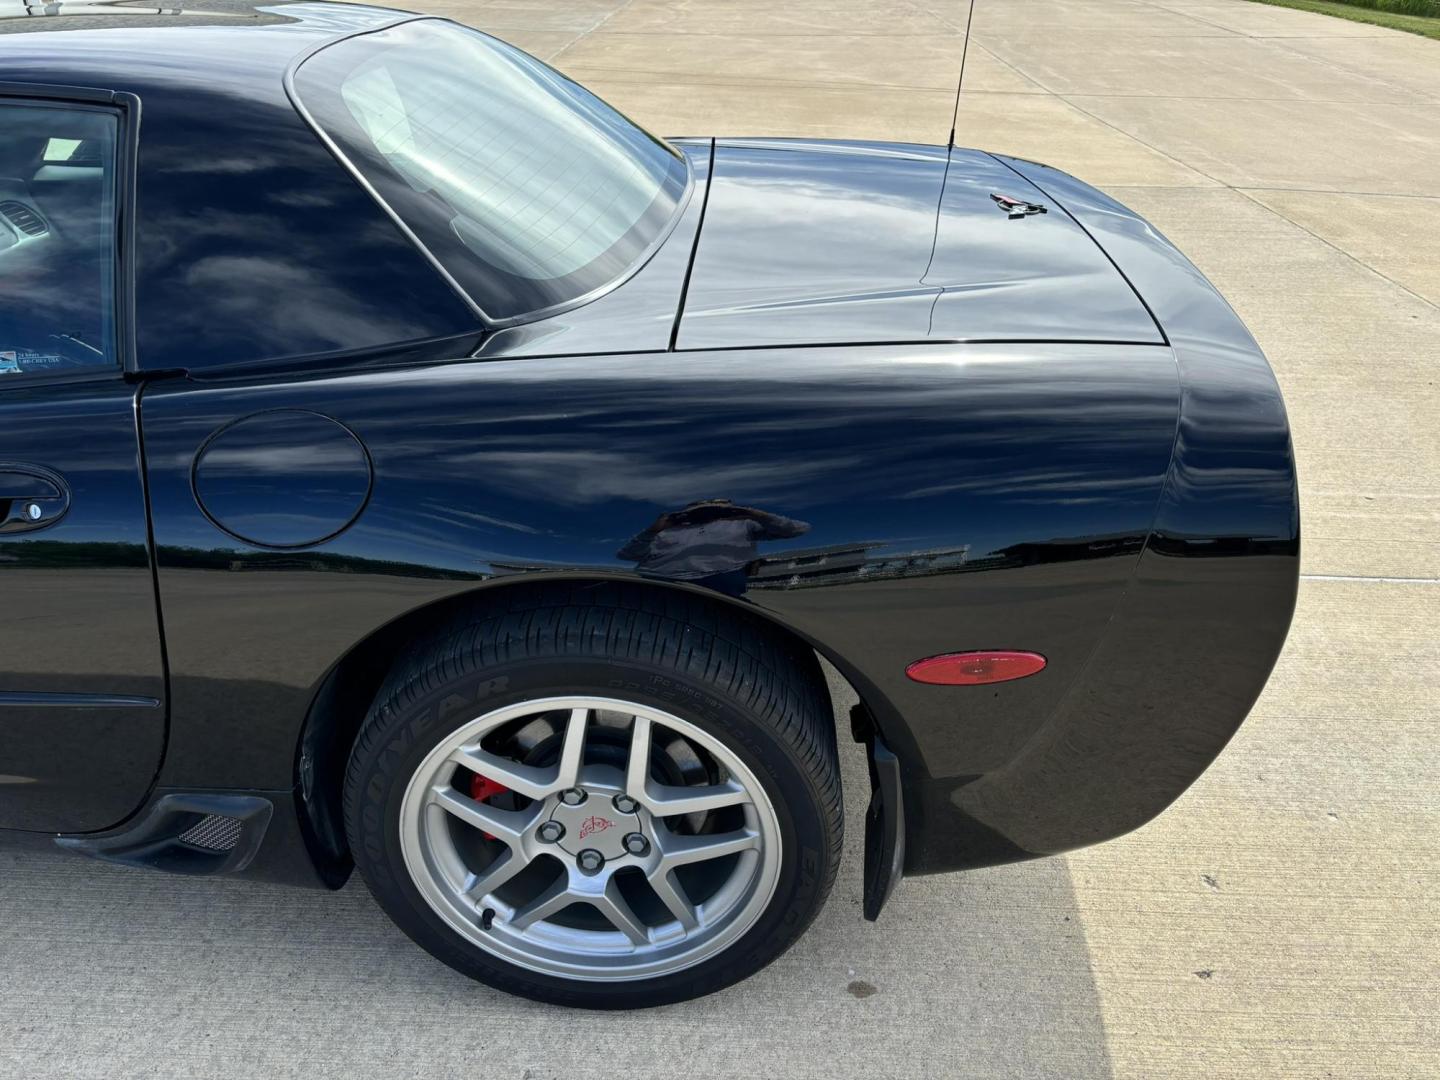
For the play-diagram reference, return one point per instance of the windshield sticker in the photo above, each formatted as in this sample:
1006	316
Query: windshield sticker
22	360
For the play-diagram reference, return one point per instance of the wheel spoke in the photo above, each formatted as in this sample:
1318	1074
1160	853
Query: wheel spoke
572	753
613	905
666	800
496	874
682	787
637	770
676	850
506	826
527	780
671	801
553	900
672	894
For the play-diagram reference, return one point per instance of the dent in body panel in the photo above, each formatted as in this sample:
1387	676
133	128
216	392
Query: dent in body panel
950	497
981	497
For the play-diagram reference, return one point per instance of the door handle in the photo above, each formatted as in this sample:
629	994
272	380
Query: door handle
31	497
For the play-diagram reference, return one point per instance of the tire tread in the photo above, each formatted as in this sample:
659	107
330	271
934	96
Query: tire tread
774	677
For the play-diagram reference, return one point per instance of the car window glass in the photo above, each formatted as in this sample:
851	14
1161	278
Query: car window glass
57	238
528	189
61	149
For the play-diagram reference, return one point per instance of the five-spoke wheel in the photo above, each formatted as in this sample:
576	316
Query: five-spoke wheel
673	871
604	800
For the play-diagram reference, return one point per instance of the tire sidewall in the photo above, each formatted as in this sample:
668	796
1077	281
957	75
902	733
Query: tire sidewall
411	726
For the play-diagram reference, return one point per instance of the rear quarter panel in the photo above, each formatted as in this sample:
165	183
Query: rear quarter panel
955	497
1198	631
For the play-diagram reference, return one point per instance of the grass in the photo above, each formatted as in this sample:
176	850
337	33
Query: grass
1414	16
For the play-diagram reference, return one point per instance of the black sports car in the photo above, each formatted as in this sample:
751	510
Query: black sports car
408	462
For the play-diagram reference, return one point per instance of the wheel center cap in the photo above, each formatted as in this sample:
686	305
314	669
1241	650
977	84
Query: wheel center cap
595	824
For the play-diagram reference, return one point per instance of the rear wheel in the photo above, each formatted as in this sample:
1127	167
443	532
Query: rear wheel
601	799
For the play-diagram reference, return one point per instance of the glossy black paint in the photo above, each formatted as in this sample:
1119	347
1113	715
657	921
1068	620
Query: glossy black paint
818	242
641	316
1207	613
990	440
254	246
554	464
82	722
32	498
238	470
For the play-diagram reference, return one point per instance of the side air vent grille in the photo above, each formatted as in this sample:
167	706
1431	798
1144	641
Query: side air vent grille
23	218
214	832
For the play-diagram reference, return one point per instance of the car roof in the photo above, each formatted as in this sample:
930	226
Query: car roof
252	244
123	46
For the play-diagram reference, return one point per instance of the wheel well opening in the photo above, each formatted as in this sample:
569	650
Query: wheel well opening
343	700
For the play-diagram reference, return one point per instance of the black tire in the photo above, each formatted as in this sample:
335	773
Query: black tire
733	676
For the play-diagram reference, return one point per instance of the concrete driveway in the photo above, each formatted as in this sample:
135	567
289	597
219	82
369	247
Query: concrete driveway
1280	920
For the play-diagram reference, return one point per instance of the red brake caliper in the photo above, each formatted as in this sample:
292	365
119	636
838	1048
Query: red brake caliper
483	788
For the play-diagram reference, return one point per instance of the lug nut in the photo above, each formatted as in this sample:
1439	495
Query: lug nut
590	860
550	831
573	796
636	844
625	804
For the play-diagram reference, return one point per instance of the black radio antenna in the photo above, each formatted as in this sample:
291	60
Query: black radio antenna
964	50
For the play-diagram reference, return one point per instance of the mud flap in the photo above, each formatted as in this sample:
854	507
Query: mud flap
884	819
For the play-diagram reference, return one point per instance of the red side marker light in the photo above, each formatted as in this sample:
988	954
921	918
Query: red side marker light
976	668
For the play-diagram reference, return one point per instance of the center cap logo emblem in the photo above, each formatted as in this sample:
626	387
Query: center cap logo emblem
594	824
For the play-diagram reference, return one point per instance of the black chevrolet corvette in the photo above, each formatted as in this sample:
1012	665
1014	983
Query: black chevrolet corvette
408	462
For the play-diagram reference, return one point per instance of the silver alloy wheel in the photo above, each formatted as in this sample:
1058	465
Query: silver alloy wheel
595	822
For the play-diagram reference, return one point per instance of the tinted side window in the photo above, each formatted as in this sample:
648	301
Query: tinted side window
57	238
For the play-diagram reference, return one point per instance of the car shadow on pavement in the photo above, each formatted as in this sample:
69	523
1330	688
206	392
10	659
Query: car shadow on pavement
115	972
